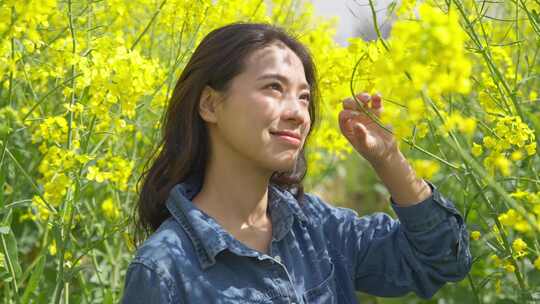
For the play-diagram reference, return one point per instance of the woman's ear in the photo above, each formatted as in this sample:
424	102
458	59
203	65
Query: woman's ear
208	104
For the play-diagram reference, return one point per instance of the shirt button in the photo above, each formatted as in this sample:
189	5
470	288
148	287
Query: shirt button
278	258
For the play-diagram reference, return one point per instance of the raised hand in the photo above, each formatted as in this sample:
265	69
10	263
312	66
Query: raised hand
374	143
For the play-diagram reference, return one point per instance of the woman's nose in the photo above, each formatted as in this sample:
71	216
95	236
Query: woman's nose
297	112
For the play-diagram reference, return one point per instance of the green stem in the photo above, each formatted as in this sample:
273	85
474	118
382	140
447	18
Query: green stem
156	13
27	176
42	99
531	18
465	156
12	41
482	173
375	119
506	245
67	204
74	53
255	10
487	57
376	25
473	287
9	263
42	251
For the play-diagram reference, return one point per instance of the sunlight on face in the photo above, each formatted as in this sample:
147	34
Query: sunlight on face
269	98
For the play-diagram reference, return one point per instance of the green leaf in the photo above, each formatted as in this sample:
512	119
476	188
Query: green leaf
108	298
11	259
34	280
8	246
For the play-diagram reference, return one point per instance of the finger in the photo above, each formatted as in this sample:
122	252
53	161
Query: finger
345	115
376	101
347	119
355	114
346	125
351	104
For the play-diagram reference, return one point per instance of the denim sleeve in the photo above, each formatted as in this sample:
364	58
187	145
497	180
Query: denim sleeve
146	285
427	247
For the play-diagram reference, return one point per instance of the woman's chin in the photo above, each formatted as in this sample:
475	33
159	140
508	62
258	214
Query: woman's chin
284	164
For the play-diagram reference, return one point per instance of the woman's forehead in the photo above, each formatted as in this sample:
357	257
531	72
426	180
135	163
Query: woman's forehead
273	57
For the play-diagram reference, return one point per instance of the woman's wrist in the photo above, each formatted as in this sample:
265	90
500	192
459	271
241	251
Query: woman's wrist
405	188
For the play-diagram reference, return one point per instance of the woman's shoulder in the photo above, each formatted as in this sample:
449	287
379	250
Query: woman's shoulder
316	206
163	247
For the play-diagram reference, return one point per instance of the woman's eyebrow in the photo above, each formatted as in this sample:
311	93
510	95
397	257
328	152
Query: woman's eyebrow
283	79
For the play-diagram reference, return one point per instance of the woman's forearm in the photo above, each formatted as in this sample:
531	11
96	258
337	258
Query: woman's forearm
398	176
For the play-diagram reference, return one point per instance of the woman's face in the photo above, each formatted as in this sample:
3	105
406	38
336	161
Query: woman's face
270	96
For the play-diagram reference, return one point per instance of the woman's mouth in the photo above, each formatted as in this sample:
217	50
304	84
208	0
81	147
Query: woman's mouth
288	139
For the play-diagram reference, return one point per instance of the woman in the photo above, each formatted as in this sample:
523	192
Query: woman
224	204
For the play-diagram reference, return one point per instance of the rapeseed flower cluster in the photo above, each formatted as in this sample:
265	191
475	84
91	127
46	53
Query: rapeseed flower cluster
83	85
109	209
520	247
111	168
425	168
424	56
512	139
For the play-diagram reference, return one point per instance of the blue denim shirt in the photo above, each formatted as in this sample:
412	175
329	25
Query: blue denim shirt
319	253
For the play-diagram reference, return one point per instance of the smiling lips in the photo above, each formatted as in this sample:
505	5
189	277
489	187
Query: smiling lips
288	137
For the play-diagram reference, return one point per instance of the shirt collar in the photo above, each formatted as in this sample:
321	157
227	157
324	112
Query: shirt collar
208	236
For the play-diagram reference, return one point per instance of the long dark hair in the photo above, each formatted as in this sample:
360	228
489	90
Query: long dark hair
184	145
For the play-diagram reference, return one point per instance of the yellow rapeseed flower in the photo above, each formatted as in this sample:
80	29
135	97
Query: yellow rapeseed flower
537	263
422	129
509	267
513	219
467	125
489	142
519	194
536	210
531	148
503	164
475	235
516	155
476	149
522	225
496	260
498	286
52	248
533	96
425	168
519	246
509	217
109	209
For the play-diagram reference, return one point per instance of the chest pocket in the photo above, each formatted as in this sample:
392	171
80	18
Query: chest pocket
323	292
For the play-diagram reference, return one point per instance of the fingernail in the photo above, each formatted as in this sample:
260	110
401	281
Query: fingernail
364	97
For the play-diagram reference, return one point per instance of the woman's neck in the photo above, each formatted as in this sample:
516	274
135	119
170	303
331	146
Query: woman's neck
235	195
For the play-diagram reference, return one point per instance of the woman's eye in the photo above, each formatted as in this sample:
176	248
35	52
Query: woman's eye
275	86
306	97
